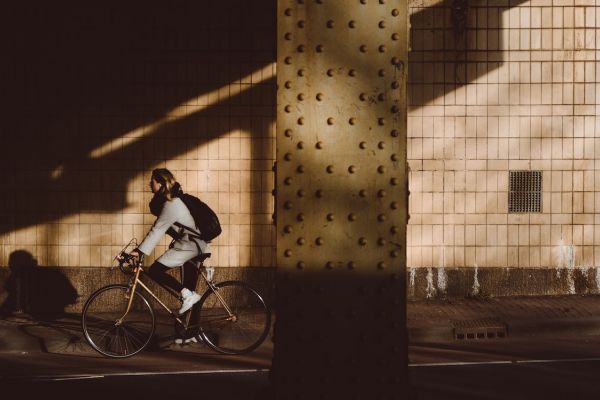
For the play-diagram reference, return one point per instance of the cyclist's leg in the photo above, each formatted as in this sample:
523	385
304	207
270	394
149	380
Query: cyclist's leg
190	276
158	272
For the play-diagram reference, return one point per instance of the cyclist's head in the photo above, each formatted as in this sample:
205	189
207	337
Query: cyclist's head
162	181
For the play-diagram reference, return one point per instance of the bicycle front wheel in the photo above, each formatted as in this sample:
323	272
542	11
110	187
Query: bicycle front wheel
107	331
232	319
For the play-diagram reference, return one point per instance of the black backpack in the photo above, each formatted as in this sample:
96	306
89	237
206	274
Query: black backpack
205	218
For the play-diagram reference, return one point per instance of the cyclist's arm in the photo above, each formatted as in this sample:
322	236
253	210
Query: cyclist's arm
167	217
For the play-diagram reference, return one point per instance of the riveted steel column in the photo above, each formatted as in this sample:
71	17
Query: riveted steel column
341	199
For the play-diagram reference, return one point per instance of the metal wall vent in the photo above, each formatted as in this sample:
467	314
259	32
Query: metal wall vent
525	192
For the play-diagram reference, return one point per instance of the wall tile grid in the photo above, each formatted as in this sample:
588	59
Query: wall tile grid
507	85
219	141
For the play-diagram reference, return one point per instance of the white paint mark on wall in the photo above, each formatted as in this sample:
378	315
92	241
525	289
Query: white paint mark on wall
475	289
430	291
442	279
412	273
567	256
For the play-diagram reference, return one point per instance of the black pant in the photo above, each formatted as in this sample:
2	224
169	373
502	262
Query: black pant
158	272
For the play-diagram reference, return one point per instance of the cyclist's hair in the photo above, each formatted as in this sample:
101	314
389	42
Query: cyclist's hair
169	185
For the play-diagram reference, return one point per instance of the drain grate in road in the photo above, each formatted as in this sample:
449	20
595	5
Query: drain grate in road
479	329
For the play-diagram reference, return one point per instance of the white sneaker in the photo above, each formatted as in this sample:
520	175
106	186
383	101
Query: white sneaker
186	341
189	301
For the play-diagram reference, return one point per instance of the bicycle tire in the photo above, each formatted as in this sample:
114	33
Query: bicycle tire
241	334
98	321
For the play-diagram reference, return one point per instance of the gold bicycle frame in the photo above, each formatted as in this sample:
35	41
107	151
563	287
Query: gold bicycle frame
136	281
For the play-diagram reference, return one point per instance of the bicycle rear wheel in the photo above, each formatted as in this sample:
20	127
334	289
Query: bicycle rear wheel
102	330
237	331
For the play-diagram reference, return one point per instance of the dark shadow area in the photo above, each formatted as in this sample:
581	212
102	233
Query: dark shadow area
453	44
77	77
42	293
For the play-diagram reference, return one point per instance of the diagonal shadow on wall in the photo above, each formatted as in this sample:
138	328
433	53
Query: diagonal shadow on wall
78	76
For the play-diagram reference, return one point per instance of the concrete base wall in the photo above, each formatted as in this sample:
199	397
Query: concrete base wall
65	289
428	283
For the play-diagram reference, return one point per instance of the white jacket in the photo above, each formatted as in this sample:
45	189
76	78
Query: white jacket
184	248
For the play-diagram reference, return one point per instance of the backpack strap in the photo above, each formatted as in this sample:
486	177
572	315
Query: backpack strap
193	232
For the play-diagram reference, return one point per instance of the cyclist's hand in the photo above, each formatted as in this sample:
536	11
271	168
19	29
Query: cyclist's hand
135	253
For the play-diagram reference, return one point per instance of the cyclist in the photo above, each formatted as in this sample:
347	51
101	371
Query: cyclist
169	209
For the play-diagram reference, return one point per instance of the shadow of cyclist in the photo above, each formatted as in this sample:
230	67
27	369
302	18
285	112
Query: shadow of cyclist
42	293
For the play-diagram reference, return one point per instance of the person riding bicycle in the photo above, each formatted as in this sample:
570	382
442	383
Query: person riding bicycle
170	209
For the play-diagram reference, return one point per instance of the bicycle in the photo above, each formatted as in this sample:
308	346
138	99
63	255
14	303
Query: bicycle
118	321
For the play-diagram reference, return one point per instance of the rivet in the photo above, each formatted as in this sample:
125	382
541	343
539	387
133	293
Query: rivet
395	36
329	265
351	217
394	157
319	145
288	84
330	23
381	265
288	205
382	48
381	169
351	265
300	48
394	109
319	96
319	48
352	72
382	24
352	121
363	48
287	109
319	241
329	169
301	96
381	97
352	24
362	97
319	1
288	12
301	193
362	145
381	1
381	241
287	253
394	229
319	193
301	241
288	133
352	169
381	193
301	265
300	145
288	181
300	169
394	205
381	72
362	241
395	61
287	60
301	121
394	253
381	121
301	24
362	193
381	217
330	217
381	145
395	85
330	72
300	217
363	1
394	133
288	156
287	229
287	36
395	12
330	121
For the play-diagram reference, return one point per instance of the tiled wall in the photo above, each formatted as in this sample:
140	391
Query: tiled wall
508	85
101	96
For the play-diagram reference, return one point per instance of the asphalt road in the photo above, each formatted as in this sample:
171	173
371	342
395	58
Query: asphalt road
524	368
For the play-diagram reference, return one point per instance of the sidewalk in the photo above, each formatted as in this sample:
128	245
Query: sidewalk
427	321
